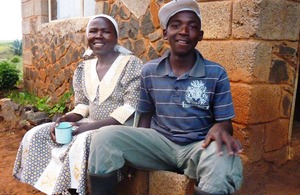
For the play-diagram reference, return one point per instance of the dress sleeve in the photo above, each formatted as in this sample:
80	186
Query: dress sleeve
131	83
81	101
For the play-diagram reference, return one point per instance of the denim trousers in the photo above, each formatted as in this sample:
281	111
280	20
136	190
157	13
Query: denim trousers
114	146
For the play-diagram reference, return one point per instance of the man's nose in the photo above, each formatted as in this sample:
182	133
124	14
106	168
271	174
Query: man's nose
184	29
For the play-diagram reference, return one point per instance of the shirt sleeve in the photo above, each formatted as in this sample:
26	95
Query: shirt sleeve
131	83
223	105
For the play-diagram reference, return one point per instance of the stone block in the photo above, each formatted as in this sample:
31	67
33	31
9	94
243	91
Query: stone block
138	185
264	104
295	152
286	104
256	103
279	20
216	19
245	18
278	157
252	140
245	61
266	19
27	9
26	27
169	183
27	57
273	131
241	94
41	8
138	8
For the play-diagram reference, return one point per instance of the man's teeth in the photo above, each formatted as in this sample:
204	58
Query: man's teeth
182	41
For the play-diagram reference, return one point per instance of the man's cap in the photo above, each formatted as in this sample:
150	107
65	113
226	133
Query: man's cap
175	6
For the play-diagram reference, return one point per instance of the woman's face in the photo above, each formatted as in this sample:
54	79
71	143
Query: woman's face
102	36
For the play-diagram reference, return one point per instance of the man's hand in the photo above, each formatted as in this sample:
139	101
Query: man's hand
221	133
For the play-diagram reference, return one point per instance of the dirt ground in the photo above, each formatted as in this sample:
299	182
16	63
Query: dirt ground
265	180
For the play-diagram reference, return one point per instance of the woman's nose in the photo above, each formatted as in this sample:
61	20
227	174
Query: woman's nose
99	34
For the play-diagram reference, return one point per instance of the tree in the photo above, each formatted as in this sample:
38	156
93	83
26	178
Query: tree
16	47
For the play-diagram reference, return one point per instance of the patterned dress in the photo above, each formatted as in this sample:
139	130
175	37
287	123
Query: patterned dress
52	168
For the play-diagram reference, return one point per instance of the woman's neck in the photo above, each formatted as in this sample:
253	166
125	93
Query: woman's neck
108	59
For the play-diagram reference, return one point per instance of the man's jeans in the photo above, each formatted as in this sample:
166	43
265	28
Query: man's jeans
113	146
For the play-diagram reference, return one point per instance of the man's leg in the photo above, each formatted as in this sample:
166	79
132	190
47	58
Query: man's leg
113	146
215	174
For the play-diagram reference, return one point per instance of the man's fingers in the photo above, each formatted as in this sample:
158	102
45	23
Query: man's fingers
238	147
219	146
206	142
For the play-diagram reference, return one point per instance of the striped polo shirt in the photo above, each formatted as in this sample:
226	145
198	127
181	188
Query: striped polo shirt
185	107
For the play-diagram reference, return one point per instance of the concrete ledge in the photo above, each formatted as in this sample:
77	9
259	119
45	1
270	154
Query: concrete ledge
170	183
156	183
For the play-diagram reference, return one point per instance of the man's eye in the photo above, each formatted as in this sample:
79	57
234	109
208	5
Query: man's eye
175	25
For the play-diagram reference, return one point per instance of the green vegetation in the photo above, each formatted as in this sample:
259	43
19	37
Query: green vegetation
5	51
9	75
15	59
7	54
44	104
16	47
11	66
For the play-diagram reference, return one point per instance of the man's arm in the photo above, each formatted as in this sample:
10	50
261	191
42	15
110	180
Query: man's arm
145	120
222	132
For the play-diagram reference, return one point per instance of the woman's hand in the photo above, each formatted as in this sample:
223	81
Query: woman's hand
81	127
52	130
72	117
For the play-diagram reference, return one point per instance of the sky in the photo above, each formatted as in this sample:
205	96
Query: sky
10	20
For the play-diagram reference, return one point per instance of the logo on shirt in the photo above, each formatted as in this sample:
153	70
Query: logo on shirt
196	95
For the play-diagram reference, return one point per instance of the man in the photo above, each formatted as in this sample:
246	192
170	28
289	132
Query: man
185	110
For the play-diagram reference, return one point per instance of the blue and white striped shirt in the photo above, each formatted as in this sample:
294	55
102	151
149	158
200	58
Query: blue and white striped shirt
185	107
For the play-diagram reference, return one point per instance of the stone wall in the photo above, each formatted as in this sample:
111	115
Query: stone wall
256	41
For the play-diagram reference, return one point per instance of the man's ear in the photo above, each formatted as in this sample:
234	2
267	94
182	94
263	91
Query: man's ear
165	34
201	35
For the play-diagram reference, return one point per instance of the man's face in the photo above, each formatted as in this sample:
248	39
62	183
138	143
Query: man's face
183	32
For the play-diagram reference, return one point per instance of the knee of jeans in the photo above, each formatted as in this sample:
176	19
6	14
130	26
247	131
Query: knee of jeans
104	135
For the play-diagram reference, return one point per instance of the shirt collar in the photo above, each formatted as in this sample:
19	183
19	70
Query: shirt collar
164	68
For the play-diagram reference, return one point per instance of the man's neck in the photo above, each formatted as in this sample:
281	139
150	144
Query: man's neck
182	64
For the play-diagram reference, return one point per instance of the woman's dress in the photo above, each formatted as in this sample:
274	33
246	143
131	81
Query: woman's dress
52	168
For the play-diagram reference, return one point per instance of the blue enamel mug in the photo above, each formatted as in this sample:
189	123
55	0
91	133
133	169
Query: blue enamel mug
63	133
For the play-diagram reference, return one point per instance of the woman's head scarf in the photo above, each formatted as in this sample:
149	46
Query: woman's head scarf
118	47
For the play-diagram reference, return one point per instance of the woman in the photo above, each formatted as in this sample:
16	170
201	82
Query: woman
106	92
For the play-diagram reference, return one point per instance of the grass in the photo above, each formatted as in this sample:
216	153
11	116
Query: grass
5	51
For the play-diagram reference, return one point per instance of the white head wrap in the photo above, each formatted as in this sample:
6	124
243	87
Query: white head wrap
118	48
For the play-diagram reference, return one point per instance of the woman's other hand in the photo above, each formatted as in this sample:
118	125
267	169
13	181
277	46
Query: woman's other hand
72	117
